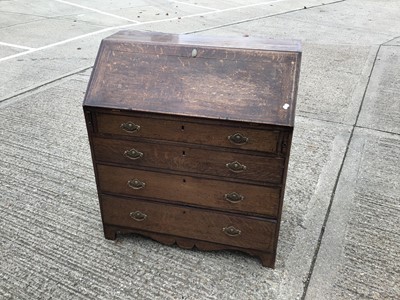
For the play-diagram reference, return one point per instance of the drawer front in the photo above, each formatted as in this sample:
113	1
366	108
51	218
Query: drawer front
201	224
204	134
189	159
191	190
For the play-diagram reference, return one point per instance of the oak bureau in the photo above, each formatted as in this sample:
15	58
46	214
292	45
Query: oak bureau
190	138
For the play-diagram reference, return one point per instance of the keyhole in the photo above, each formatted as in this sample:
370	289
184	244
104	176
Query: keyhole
184	180
183	153
183	127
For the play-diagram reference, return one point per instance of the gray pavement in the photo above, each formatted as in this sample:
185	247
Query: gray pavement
341	216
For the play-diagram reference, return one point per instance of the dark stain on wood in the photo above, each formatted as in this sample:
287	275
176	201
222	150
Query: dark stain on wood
190	138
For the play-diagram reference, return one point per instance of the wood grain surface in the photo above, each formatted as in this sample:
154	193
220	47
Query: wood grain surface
257	234
190	138
218	83
191	190
184	131
184	158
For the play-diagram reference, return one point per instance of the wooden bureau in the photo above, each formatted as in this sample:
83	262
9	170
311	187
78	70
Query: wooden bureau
190	138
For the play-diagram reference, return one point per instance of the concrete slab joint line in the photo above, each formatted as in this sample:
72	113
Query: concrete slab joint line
261	17
391	40
339	175
136	23
15	97
339	235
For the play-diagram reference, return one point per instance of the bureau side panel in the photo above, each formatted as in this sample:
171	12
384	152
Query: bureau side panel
286	143
91	126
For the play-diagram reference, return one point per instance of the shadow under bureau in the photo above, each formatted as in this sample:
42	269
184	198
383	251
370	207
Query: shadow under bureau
190	138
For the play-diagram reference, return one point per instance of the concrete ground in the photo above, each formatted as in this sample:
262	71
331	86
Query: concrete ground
341	217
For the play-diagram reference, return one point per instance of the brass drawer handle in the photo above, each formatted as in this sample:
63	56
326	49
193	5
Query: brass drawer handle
238	139
138	216
233	197
130	127
231	231
236	167
133	154
136	184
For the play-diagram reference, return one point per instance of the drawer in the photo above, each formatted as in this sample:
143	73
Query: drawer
183	131
190	159
191	190
200	224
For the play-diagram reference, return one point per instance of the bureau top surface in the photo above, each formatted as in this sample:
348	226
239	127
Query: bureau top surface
230	78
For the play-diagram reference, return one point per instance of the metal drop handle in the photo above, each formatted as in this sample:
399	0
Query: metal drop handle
231	231
138	216
238	139
236	167
233	197
136	184
133	154
130	127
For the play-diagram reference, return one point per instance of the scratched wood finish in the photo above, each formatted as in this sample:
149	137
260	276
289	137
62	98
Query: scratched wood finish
220	83
267	258
199	191
188	94
190	222
190	159
253	43
188	132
